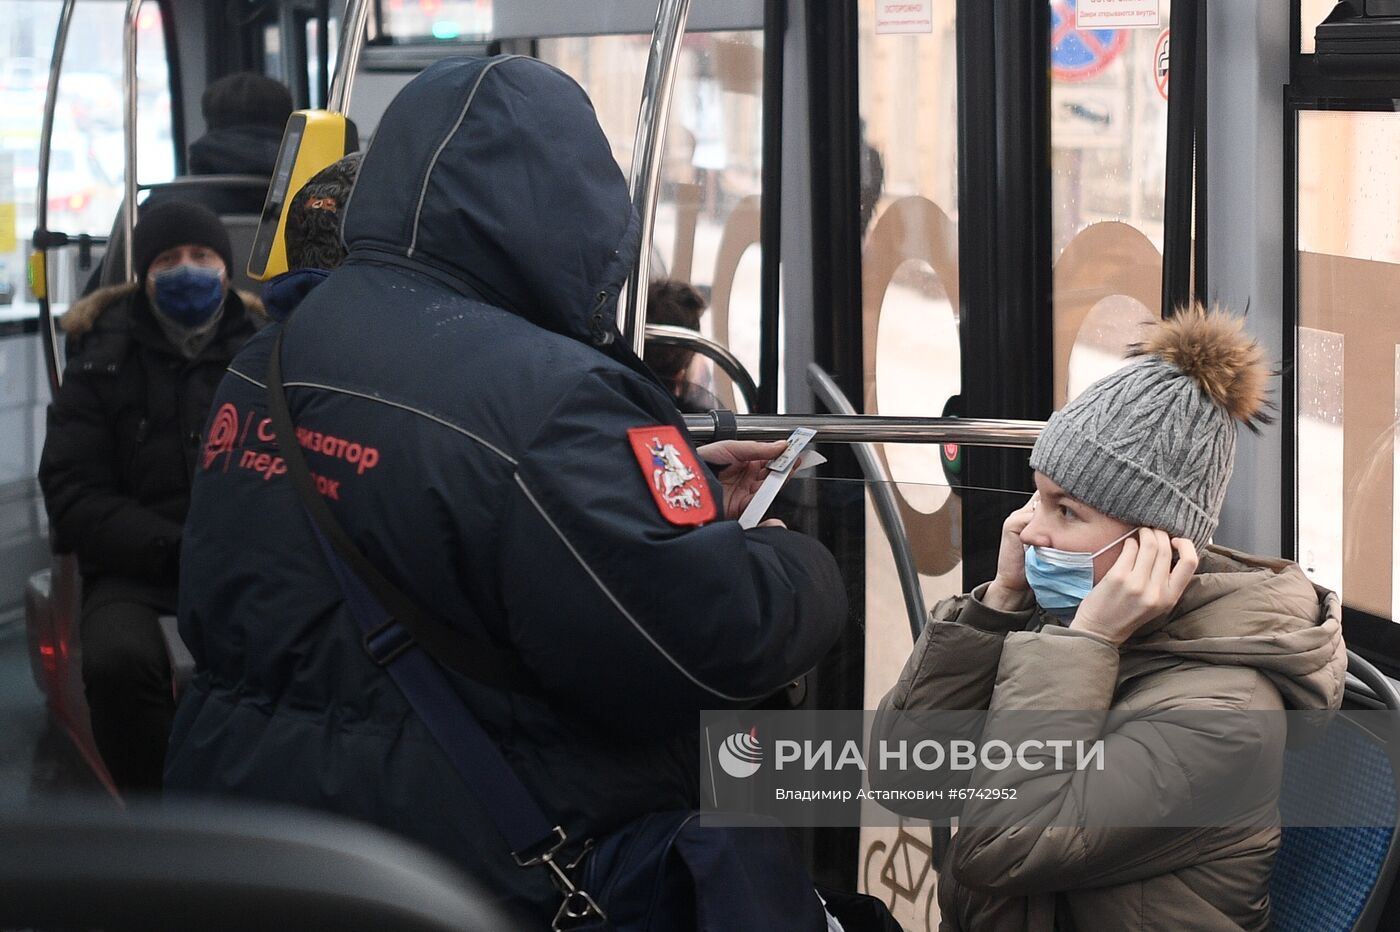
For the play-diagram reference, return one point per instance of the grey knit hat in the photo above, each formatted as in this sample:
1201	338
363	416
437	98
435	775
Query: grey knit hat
1153	444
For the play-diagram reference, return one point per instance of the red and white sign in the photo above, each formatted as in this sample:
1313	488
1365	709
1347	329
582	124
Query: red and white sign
1117	14
670	470
1162	63
901	17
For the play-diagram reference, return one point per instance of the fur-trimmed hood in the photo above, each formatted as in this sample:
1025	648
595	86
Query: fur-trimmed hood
82	316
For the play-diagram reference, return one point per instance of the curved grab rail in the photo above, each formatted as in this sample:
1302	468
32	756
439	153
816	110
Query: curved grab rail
209	181
1364	679
133	8
644	184
352	42
882	495
681	336
870	428
41	203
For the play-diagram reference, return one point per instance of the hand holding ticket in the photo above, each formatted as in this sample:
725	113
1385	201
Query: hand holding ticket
794	458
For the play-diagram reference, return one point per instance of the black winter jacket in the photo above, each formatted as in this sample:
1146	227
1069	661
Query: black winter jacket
234	150
124	433
464	399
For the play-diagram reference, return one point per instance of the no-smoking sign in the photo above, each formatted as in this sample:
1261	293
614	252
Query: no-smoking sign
1161	62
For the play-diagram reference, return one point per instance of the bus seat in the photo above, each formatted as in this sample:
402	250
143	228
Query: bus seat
1339	806
181	660
52	604
241	225
242	228
38	616
224	867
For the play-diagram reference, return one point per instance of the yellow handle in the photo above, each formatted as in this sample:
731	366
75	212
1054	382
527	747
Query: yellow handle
38	281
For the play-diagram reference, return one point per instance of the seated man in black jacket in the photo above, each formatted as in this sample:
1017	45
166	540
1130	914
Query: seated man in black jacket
123	441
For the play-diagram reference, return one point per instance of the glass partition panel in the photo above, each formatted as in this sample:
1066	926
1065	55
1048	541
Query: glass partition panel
1348	335
913	364
1108	130
895	861
707	220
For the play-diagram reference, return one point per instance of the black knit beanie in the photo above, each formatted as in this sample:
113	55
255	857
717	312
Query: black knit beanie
175	223
246	99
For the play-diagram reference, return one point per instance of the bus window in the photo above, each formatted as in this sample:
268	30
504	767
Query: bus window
1311	13
707	218
313	52
1108	130
272	50
1348	354
908	163
86	168
909	209
415	20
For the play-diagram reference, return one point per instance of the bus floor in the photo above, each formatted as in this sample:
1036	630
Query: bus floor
38	762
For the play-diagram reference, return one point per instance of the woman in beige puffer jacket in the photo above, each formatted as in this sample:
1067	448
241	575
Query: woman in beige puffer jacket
1168	657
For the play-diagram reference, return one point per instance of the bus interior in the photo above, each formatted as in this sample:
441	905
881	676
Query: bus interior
918	233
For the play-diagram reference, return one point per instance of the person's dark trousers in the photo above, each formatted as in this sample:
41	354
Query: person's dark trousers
126	676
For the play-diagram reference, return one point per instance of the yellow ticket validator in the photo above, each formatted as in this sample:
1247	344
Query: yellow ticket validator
313	139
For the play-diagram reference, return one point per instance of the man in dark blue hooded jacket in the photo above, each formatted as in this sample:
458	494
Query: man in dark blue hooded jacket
465	401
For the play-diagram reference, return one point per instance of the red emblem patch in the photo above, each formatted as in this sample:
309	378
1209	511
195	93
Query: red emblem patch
221	434
676	480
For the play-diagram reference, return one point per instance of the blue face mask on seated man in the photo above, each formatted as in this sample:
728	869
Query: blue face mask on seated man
189	294
1061	579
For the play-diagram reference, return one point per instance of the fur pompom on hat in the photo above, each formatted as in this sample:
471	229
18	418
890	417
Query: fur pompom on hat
1153	444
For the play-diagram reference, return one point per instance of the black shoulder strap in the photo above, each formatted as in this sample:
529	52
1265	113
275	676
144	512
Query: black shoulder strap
471	657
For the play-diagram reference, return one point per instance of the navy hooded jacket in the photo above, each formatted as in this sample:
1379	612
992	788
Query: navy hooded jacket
463	397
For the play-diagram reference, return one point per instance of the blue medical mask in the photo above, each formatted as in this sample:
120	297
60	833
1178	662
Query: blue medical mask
189	294
1061	579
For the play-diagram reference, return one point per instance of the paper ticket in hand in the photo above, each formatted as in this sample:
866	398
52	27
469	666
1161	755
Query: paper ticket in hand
796	457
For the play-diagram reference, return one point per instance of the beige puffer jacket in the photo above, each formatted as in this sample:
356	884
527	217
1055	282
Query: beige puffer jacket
1249	634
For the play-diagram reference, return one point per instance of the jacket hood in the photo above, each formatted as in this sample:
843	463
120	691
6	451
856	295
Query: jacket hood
1249	611
236	150
494	171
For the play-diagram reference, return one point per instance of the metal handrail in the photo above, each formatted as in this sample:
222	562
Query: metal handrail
133	9
689	339
882	496
41	205
209	181
869	428
352	43
653	117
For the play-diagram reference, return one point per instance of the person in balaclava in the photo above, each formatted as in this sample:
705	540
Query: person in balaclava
1109	599
123	442
312	235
